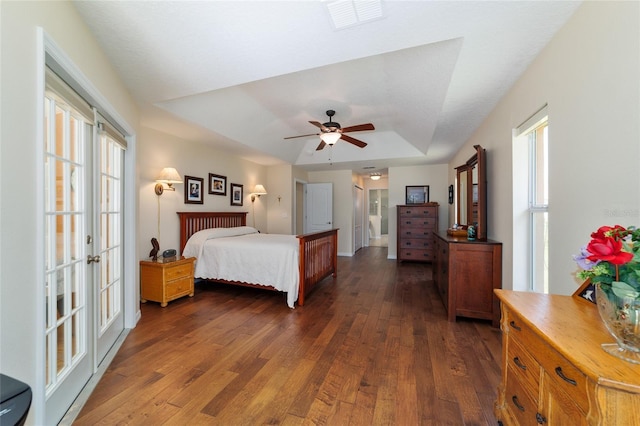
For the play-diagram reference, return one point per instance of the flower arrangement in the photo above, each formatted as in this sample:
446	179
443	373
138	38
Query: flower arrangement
612	258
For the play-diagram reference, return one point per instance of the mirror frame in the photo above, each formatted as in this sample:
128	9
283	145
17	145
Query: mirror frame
477	160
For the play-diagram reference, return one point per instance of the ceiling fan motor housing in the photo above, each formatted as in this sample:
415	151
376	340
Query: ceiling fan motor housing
332	126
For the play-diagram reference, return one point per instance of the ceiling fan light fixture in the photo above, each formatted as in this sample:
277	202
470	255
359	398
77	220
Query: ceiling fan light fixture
330	138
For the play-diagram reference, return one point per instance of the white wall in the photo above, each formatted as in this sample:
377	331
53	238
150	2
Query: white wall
158	150
21	283
589	75
401	177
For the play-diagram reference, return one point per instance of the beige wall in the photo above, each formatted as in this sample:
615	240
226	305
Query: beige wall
158	150
589	77
401	177
21	276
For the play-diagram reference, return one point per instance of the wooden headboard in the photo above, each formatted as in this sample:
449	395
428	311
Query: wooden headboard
192	222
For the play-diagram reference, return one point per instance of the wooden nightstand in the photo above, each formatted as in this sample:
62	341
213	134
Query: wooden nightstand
166	281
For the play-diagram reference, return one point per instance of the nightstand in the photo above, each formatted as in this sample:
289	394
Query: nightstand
162	281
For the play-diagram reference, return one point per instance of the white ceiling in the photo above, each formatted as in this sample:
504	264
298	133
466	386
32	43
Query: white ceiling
242	75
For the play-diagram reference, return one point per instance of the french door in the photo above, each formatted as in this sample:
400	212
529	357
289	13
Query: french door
83	245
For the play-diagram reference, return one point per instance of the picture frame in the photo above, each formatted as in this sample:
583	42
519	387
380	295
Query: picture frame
217	184
417	194
586	292
193	187
237	196
450	194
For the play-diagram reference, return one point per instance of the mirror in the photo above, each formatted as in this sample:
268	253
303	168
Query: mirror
472	193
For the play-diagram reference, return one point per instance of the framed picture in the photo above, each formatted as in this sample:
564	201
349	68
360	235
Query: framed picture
193	190
417	194
587	291
236	194
450	194
217	184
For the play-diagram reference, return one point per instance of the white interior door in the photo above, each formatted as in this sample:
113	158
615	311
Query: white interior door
319	207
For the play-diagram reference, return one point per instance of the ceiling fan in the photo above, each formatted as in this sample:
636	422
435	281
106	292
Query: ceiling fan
331	132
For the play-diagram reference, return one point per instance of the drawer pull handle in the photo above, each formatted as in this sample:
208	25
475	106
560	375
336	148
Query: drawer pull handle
519	406
565	378
540	419
519	363
514	326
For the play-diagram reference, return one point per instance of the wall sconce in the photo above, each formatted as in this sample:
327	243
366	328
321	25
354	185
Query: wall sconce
168	175
258	190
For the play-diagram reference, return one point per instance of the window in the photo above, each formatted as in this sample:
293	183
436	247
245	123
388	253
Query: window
533	134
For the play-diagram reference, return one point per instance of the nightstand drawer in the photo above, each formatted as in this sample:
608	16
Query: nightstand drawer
179	287
180	271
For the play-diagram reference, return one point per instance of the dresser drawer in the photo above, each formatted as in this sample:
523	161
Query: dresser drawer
180	271
418	222
519	400
178	288
417	243
415	233
523	364
566	377
418	211
416	254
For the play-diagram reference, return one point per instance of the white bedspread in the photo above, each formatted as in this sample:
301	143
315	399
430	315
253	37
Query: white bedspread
267	259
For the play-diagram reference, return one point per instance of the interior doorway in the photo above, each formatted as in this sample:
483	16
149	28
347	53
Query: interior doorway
378	217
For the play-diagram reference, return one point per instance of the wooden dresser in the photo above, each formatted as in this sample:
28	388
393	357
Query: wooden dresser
166	281
554	370
466	273
417	224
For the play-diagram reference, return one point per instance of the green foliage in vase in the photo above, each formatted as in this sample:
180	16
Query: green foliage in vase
612	258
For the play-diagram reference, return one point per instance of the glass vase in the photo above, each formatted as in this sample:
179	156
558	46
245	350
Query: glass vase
621	316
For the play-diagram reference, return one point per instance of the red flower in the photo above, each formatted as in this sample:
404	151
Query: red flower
608	248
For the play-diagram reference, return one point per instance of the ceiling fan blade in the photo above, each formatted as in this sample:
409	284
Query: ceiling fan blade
322	145
358	128
302	136
354	141
319	125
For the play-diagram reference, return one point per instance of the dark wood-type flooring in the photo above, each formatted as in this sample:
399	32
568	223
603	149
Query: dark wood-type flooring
372	348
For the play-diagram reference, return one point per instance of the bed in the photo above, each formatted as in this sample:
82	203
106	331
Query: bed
315	253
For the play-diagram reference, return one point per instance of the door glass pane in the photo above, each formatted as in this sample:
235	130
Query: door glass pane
65	228
110	231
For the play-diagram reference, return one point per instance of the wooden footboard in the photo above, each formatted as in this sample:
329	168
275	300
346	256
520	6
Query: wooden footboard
318	259
318	251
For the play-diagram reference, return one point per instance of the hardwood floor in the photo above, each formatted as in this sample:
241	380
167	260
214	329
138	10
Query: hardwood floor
373	348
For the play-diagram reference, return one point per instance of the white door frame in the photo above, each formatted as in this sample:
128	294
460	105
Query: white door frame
50	52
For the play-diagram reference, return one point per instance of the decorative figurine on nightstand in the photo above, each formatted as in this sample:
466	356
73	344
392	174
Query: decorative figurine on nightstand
154	251
471	233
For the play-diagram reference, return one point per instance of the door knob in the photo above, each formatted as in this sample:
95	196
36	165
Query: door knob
92	259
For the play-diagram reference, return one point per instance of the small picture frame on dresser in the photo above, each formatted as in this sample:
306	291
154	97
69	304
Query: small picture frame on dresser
417	194
586	292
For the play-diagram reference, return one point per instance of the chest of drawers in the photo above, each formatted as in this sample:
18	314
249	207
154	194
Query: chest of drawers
417	225
553	368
